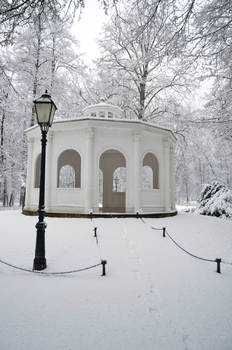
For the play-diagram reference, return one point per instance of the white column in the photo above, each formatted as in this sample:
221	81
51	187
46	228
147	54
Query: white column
30	164
89	171
166	159
172	175
50	180
137	172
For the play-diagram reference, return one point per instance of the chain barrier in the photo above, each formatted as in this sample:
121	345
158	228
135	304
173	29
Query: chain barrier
186	251
103	263
96	235
217	260
154	228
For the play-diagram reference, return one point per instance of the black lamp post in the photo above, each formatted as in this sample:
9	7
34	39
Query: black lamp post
45	110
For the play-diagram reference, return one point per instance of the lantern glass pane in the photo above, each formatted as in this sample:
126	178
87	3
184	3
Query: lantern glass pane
53	110
43	112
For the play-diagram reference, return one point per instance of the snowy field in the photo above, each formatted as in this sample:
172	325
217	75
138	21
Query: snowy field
154	296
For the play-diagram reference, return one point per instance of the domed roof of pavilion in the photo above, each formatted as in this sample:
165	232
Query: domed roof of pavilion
103	110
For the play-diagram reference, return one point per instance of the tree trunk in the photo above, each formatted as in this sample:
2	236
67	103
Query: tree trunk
5	193
142	92
22	196
2	159
53	63
37	65
12	199
141	100
187	191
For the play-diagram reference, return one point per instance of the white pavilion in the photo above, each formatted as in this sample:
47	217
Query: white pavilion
103	164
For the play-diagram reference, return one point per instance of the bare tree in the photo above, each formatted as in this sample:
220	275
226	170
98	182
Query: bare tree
17	13
146	50
14	14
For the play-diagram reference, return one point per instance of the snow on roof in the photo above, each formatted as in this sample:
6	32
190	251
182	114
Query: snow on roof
103	107
108	120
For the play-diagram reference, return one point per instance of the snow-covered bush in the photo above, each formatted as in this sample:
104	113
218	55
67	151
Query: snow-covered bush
215	200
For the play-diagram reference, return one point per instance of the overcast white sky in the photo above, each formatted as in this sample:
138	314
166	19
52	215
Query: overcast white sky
87	31
88	28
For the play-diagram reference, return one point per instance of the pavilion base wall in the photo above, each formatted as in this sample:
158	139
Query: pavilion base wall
102	215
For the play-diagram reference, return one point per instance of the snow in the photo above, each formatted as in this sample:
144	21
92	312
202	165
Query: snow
186	208
215	200
154	296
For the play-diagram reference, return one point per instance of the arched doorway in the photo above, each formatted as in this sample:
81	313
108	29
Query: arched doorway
113	166
69	169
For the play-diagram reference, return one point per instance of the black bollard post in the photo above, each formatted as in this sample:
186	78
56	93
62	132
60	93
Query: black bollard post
218	261
103	262
95	231
164	230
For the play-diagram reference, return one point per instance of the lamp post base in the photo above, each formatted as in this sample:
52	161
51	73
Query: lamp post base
39	264
40	260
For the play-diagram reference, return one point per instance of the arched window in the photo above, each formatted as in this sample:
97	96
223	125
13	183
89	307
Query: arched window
37	171
67	177
102	114
69	169
147	177
119	180
150	161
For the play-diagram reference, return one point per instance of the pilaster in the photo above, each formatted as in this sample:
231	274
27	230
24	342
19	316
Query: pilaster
30	173
51	174
89	174
172	177
137	171
166	165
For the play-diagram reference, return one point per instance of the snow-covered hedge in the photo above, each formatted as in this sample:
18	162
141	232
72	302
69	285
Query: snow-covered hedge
215	200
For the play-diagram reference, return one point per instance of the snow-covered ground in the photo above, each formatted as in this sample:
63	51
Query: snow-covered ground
154	296
186	208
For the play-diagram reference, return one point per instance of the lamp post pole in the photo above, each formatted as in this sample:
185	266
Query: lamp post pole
45	111
40	260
